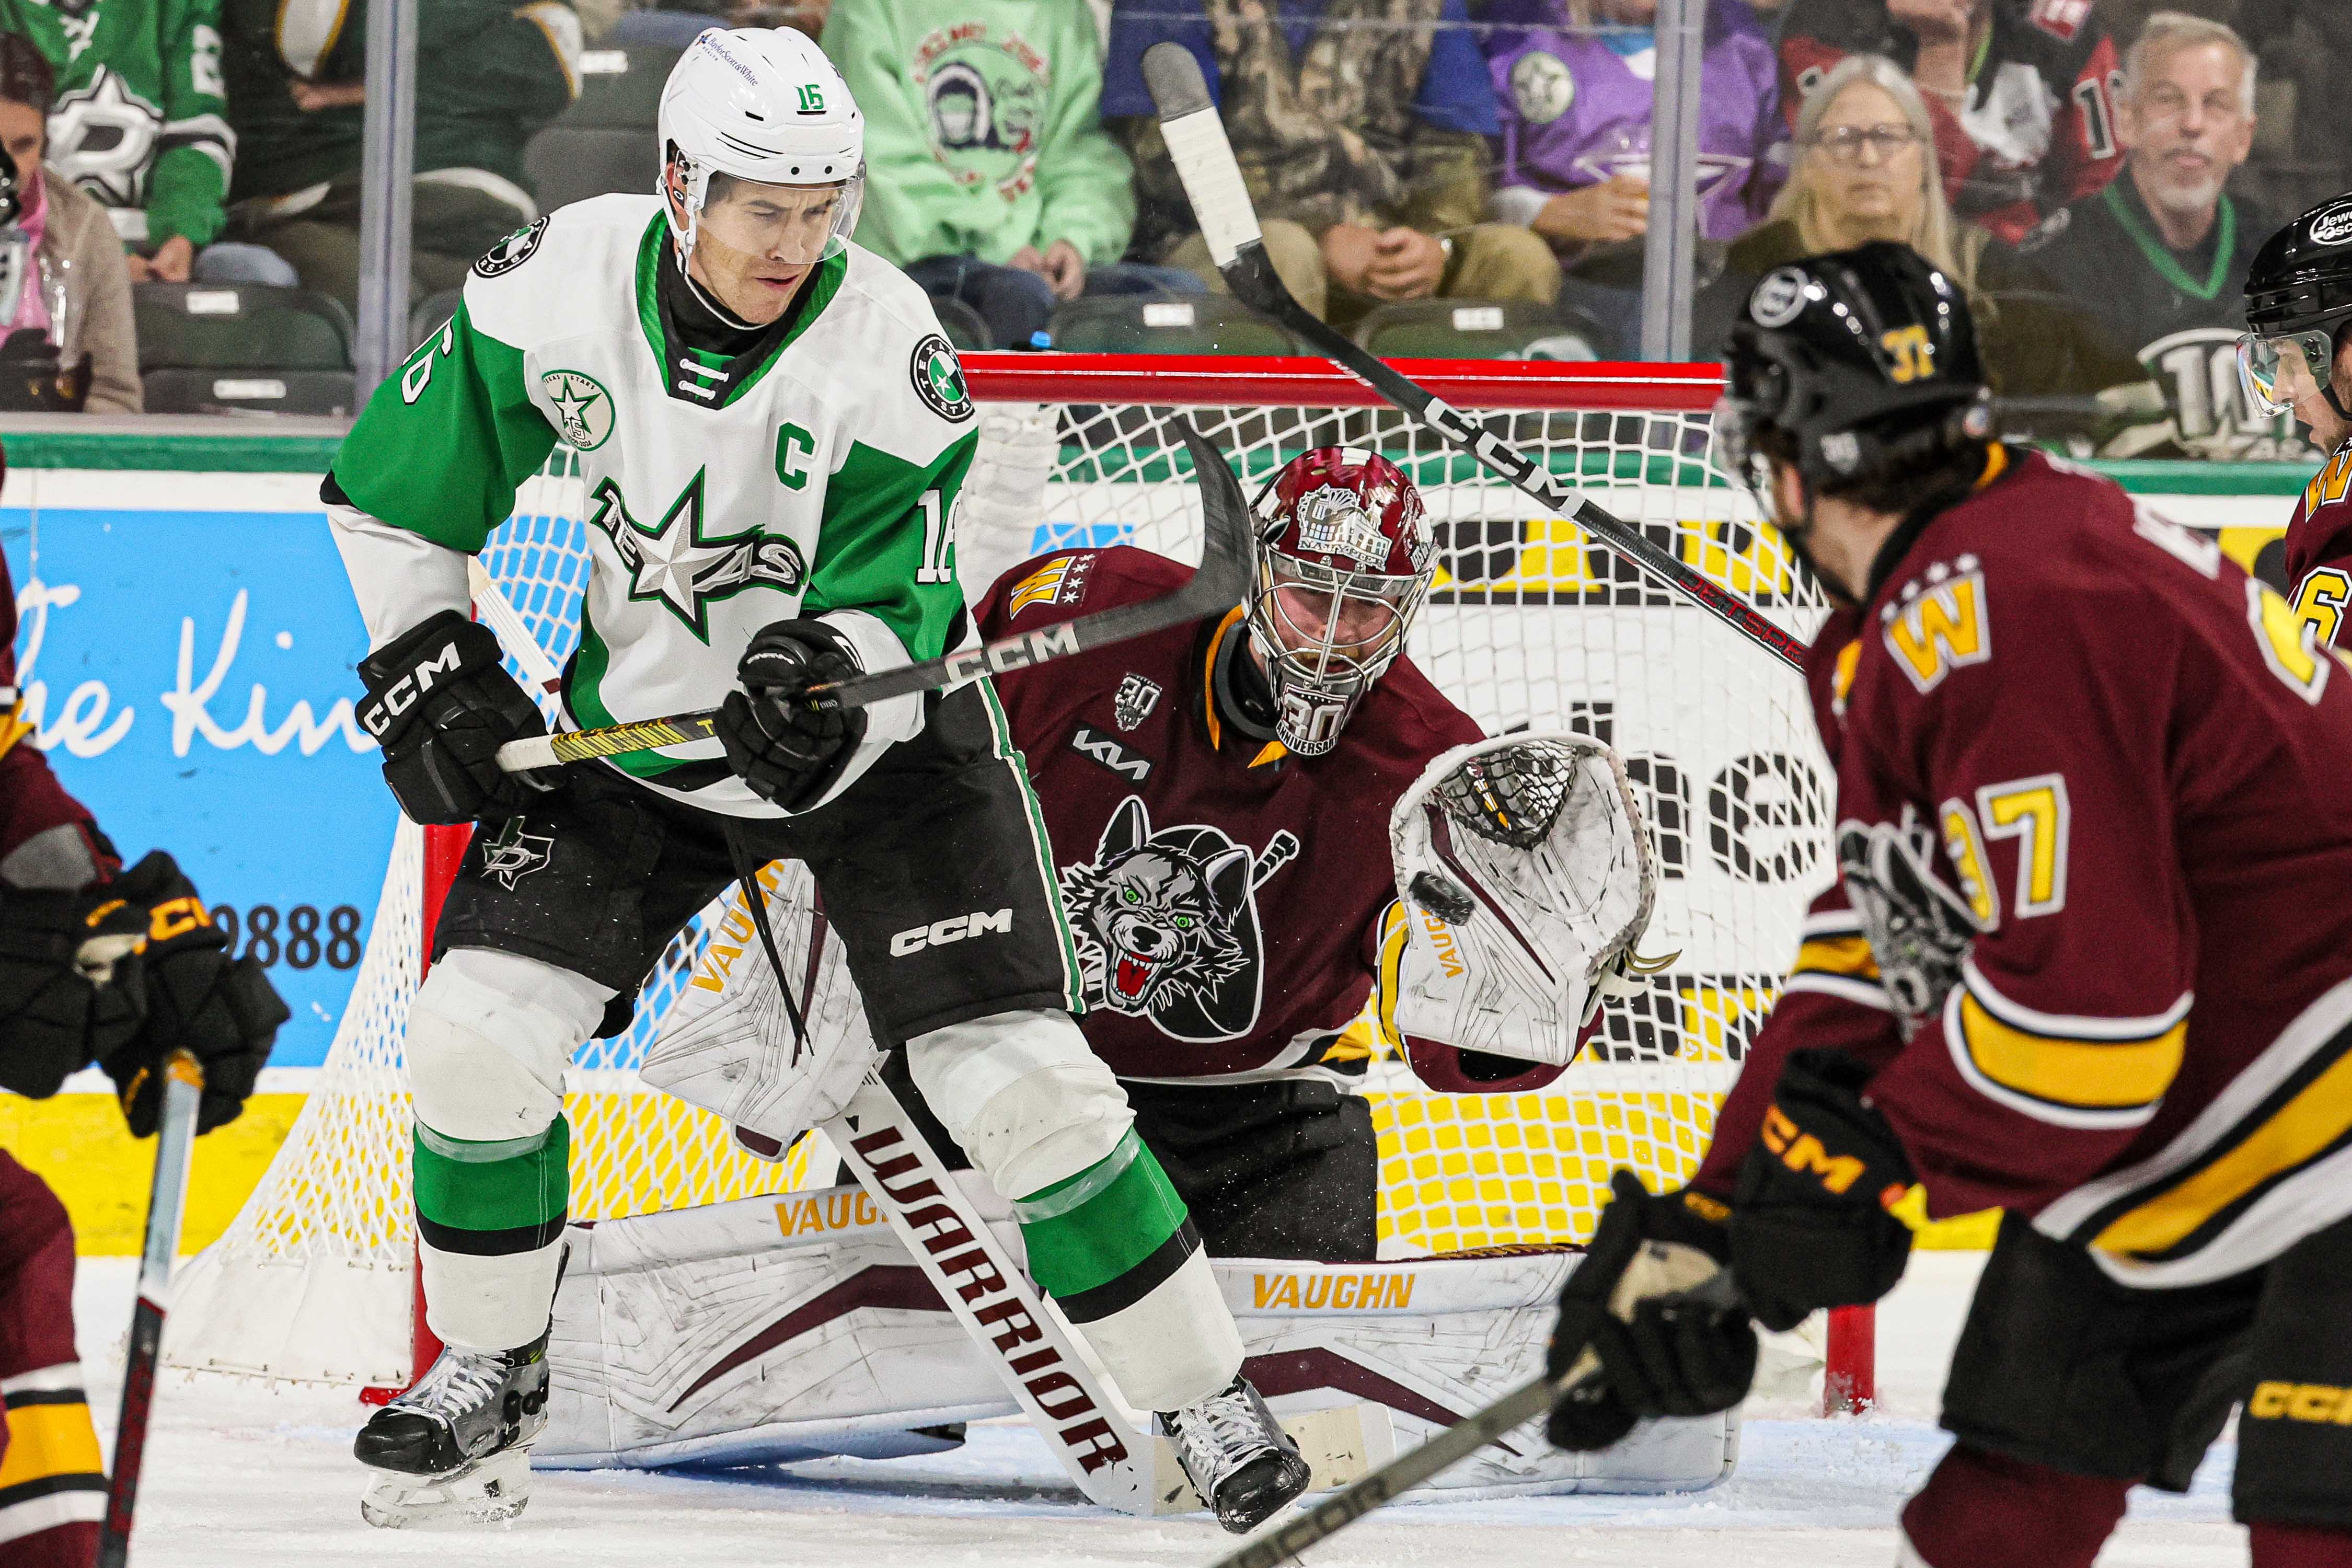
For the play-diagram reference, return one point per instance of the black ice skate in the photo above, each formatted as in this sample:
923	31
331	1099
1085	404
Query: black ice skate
1236	1454
457	1447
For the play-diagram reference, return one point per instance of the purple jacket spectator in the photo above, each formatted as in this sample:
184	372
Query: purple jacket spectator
1576	110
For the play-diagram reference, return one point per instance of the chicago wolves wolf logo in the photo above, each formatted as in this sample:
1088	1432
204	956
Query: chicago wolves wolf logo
1167	923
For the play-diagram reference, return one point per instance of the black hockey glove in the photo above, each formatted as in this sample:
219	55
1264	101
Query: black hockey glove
1651	1299
785	748
440	704
71	988
1810	1226
221	1010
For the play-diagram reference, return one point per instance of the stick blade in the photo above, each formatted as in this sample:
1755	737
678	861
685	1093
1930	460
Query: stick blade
1171	73
1223	575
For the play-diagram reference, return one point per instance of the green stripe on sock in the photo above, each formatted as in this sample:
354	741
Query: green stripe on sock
504	1186
1114	1226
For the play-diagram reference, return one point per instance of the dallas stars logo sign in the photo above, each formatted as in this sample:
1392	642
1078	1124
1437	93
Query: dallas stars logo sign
676	563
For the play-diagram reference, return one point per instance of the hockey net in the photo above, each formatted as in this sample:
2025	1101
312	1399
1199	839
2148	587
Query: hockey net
1528	626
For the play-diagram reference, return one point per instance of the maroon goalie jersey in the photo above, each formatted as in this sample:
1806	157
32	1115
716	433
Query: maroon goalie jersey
2319	552
2093	833
1233	904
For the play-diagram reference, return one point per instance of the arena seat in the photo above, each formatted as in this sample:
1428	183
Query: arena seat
605	141
1480	329
209	348
1188	324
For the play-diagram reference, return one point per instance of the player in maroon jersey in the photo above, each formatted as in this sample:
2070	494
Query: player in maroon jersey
2090	964
2021	91
96	964
1218	798
2297	355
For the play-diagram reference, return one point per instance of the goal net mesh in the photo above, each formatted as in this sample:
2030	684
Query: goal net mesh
1529	625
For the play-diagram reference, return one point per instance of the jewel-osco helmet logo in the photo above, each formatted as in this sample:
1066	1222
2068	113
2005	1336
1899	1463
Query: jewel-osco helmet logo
939	379
2333	227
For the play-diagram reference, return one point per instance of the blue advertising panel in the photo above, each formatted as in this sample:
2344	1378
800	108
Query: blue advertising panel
191	675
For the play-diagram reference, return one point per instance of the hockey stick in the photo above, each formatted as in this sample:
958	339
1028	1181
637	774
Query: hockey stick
1217	585
175	1138
1205	160
1456	1443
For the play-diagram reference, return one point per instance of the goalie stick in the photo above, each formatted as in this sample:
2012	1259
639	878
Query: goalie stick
175	1141
1205	160
1215	587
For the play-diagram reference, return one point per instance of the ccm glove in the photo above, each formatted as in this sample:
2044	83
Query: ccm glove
1810	1226
71	988
1651	1301
787	749
440	704
221	1010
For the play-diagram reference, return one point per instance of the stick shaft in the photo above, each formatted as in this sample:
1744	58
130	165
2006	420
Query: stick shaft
1253	280
1400	1475
174	1142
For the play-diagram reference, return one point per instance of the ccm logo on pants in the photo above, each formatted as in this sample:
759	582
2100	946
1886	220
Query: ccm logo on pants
955	928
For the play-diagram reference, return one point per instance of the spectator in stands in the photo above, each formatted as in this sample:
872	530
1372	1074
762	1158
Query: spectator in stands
78	293
2017	92
989	175
2160	255
1364	144
1863	173
1575	78
490	73
138	124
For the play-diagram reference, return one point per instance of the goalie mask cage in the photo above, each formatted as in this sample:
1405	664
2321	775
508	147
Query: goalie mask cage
1528	626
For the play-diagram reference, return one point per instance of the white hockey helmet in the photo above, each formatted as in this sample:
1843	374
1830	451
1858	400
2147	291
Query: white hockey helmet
762	104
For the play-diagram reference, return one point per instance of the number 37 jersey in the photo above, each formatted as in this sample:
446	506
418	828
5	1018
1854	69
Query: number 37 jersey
2094	836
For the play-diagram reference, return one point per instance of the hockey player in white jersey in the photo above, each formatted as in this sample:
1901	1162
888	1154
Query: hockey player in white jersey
772	433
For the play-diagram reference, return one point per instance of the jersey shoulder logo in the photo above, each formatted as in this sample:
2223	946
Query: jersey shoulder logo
1919	926
1543	87
584	409
512	251
1167	923
1939	623
1135	698
2059	18
939	379
1061	581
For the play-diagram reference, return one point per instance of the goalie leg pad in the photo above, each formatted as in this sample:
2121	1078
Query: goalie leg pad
488	1037
1176	1344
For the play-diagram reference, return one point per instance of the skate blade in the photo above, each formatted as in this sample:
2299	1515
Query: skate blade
488	1491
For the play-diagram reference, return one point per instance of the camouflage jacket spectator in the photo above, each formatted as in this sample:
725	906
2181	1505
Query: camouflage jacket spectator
2037	130
1357	111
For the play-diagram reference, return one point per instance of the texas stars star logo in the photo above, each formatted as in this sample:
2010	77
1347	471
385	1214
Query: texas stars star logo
584	409
676	565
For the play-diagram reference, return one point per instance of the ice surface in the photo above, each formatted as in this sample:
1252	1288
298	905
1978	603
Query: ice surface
260	1477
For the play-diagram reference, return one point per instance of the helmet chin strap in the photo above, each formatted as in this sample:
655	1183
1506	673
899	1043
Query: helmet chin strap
2328	391
687	192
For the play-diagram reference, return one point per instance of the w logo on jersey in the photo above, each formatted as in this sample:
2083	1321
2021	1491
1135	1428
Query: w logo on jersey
1167	924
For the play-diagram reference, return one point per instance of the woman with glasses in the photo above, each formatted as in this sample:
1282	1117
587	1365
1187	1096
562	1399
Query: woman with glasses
1865	170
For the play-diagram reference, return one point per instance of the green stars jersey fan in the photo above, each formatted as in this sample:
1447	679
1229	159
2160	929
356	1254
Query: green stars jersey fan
816	475
138	121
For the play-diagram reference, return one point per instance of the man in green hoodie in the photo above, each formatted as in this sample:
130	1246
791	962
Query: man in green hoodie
990	178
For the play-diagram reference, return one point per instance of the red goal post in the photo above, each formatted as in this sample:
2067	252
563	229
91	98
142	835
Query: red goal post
1529	625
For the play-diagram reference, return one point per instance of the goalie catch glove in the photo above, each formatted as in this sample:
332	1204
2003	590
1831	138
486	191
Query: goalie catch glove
440	703
1650	1315
782	746
1810	1226
221	1010
1527	867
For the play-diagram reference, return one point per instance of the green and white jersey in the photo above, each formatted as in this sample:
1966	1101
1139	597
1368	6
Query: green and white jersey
820	477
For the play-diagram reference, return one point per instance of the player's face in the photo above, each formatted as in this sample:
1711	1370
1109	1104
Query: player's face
1866	167
2293	372
756	244
2188	126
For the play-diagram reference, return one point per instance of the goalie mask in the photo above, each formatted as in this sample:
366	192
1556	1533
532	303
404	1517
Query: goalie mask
762	105
1343	557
